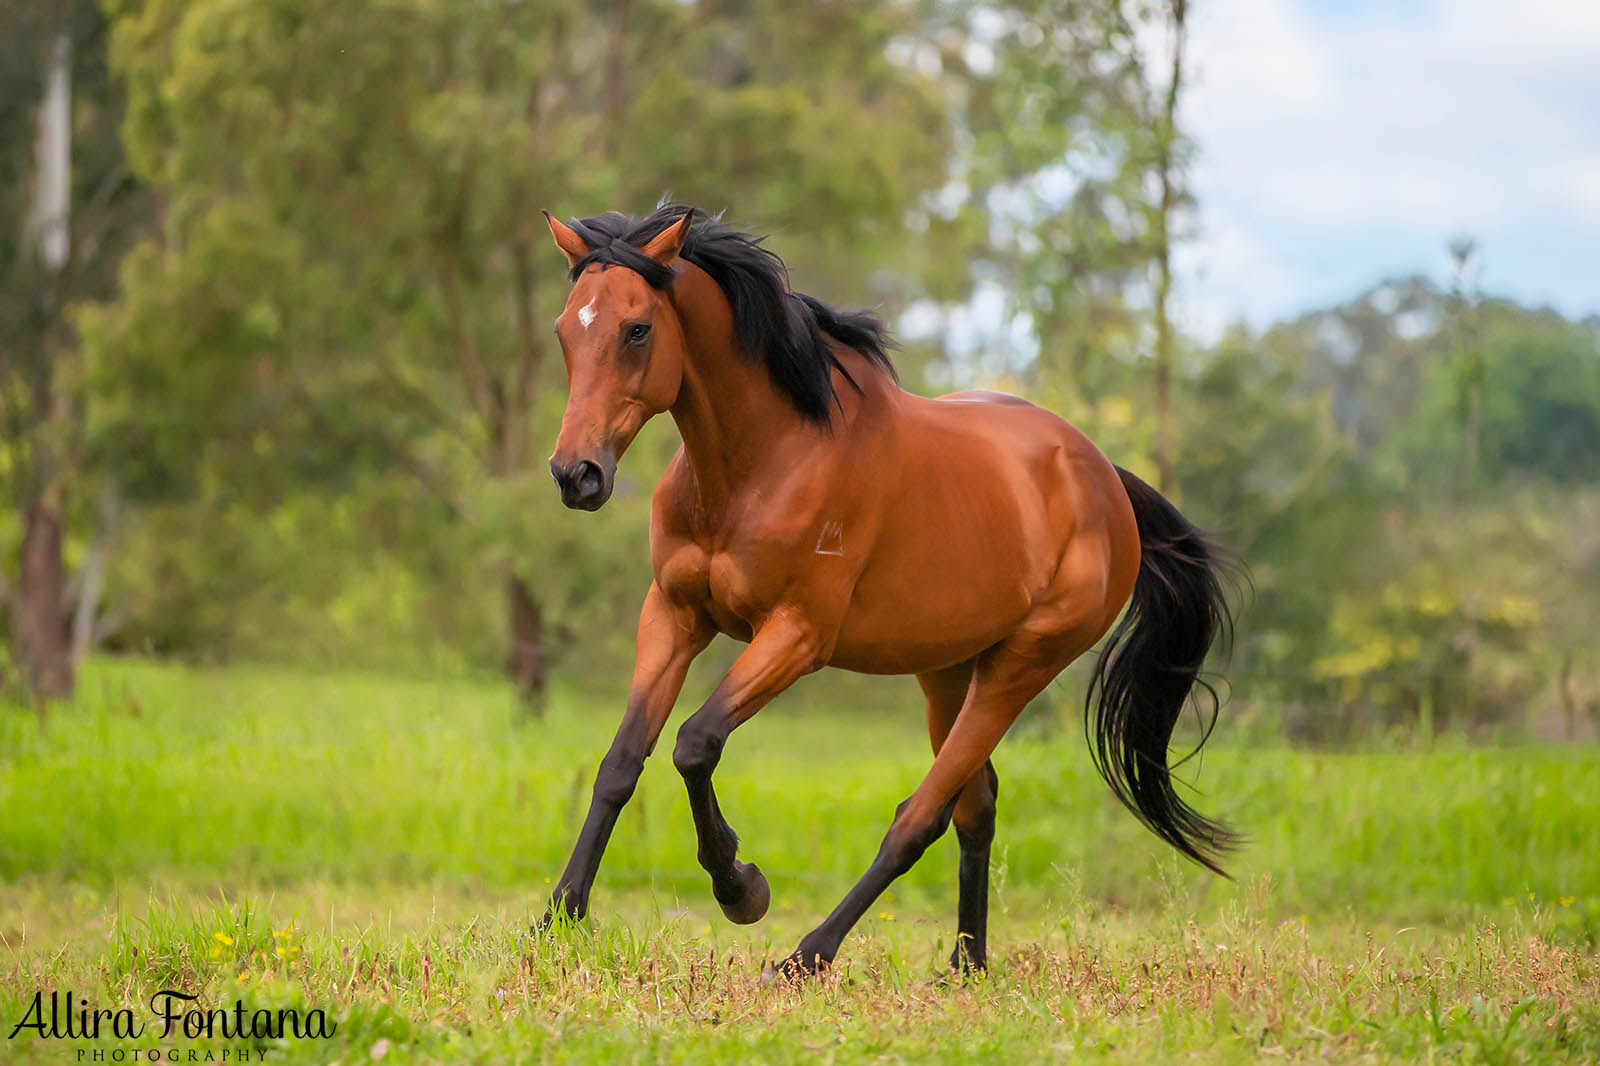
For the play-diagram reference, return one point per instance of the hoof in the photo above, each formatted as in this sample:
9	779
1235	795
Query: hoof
795	969
754	896
570	911
964	964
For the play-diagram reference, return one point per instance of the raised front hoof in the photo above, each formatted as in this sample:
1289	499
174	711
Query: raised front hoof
796	968
754	895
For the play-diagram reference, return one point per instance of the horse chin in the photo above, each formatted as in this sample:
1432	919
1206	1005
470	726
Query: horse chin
588	501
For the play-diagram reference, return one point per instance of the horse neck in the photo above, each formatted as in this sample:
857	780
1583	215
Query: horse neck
730	415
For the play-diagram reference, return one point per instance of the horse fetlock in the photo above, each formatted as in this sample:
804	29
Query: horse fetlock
718	850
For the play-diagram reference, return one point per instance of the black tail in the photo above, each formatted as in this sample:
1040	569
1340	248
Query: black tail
1149	667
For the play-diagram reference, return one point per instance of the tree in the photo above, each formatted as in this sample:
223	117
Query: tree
1071	192
1328	450
64	177
352	251
1169	198
1462	309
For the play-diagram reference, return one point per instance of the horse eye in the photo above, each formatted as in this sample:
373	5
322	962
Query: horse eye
637	332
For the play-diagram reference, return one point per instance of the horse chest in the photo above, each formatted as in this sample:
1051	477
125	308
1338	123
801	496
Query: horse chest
719	582
684	573
732	591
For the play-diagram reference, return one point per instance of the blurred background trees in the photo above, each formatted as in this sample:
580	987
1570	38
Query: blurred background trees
353	280
287	394
73	207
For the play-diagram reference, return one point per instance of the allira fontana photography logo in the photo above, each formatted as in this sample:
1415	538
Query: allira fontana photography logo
172	1015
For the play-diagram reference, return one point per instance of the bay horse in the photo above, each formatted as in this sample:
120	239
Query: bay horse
826	517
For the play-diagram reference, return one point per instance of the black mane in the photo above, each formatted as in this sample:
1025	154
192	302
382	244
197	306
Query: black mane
780	327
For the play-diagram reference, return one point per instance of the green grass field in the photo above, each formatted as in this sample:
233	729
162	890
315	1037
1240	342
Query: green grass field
375	849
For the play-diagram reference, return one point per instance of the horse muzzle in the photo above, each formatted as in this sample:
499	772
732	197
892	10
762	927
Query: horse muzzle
585	484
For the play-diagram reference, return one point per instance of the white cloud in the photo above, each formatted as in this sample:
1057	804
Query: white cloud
1319	121
1578	184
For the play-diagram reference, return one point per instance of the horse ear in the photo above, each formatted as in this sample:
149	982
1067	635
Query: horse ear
665	246
571	245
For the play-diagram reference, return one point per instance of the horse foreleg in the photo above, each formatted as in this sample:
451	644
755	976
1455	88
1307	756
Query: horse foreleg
781	652
669	639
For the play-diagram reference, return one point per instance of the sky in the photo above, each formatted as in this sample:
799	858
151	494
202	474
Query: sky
1343	141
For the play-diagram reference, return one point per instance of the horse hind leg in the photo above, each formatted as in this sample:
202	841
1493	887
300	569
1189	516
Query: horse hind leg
1005	679
973	817
974	820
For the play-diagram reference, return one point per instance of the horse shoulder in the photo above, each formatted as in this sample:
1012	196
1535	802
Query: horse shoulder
679	559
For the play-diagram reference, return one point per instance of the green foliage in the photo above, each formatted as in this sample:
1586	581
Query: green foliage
1541	413
325	384
1389	593
346	306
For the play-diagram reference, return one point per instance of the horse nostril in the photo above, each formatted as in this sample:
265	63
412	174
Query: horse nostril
587	480
583	484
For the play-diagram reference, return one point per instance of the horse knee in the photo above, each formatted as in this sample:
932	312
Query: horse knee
698	748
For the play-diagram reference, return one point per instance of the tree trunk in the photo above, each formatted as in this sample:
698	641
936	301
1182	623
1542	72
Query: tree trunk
1569	698
92	579
527	662
1164	434
40	623
50	210
1165	166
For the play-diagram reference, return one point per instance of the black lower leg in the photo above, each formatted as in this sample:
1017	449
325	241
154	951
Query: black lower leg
975	833
613	787
900	850
739	888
